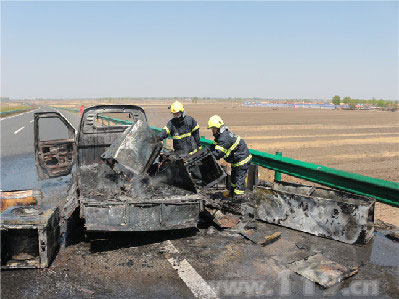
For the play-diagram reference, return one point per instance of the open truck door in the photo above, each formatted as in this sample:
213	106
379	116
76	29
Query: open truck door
53	157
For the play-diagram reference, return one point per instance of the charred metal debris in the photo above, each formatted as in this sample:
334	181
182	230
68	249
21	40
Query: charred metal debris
29	236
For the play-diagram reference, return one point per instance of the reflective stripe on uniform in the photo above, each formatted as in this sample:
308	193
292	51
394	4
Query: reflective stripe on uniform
246	160
221	148
238	192
166	129
232	148
186	134
196	150
182	136
233	185
227	152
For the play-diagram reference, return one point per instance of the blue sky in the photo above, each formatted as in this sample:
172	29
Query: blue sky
211	49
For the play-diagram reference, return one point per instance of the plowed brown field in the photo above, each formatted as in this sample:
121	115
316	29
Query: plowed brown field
365	142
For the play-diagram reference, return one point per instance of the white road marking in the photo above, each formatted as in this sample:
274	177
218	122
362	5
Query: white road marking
16	132
32	121
7	117
187	273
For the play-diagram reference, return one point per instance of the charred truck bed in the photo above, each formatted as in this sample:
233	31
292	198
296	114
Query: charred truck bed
111	203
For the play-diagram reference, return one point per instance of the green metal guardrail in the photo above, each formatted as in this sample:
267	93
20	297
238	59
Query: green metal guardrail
382	190
114	120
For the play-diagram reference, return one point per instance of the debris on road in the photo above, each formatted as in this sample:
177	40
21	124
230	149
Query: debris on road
393	235
29	236
222	220
321	270
211	230
271	239
333	214
381	225
259	237
253	236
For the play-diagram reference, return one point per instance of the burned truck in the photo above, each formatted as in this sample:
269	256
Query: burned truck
121	181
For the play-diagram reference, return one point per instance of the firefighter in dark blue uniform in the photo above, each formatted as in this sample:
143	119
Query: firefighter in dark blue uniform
234	150
184	131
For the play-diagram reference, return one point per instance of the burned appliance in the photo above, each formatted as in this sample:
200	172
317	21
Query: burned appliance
134	151
333	214
29	236
180	170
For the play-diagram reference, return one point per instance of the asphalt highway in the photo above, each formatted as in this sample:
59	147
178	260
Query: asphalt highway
203	263
17	134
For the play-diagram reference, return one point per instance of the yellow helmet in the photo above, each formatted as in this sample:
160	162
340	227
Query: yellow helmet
176	107
215	122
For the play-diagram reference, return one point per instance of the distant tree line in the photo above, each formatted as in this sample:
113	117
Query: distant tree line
336	100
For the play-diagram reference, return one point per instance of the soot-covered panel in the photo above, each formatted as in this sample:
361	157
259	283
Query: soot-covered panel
333	214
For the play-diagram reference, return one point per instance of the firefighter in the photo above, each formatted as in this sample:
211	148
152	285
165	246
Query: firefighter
183	129
234	150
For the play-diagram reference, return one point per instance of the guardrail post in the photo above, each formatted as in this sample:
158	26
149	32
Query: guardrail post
277	174
252	178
